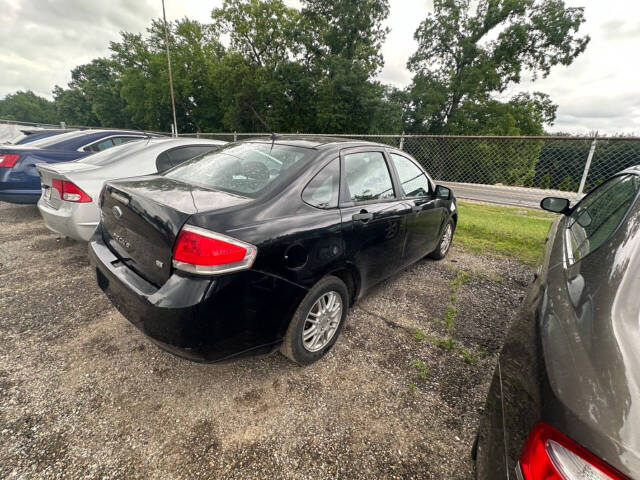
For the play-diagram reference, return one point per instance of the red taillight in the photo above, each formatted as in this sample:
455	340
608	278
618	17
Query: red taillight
8	160
551	455
69	191
198	250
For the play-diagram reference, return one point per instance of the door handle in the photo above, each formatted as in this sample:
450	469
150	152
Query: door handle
362	217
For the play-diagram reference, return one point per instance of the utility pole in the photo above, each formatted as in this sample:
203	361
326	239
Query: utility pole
166	42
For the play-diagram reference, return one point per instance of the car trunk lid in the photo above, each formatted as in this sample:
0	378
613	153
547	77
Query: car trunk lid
142	218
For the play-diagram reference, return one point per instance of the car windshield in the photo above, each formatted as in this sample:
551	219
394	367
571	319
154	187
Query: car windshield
247	169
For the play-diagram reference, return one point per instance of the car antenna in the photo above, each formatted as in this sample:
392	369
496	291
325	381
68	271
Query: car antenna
274	135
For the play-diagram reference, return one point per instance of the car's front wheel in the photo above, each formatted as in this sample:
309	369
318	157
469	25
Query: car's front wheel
317	322
445	241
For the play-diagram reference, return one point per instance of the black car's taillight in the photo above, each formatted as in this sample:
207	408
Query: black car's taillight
551	455
8	160
201	251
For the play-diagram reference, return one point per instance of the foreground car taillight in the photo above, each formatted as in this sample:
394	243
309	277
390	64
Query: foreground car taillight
198	250
69	191
551	455
8	160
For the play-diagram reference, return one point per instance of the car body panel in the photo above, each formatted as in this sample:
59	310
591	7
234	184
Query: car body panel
297	245
572	358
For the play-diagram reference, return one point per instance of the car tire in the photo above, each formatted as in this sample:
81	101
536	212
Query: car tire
298	343
444	246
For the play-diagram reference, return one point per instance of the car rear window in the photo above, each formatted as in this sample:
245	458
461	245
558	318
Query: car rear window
116	153
248	169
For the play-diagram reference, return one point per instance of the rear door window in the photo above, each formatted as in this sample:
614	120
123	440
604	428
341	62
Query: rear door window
367	177
599	214
99	146
121	140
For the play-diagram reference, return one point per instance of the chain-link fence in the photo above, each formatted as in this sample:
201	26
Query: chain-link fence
570	164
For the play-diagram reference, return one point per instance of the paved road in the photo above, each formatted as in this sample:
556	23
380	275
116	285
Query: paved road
518	196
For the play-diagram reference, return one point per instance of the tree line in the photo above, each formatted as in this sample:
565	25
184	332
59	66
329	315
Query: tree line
314	70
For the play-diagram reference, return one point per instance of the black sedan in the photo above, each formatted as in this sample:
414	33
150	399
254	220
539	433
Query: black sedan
564	403
265	243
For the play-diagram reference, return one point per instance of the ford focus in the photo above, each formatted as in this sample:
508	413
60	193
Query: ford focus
265	244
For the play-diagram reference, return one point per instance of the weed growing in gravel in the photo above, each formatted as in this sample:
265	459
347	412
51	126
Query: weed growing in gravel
419	334
420	367
467	357
446	343
412	387
483	350
450	316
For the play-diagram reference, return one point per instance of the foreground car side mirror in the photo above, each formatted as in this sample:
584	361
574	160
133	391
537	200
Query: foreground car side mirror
555	205
443	192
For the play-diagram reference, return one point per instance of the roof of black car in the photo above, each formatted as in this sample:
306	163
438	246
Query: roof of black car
311	141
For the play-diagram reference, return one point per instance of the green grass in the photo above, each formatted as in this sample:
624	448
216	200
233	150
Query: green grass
510	231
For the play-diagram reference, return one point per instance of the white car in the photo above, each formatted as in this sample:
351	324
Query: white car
71	190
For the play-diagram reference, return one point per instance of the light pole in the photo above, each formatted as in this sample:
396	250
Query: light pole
166	42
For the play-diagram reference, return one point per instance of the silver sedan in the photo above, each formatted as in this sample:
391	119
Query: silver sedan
71	190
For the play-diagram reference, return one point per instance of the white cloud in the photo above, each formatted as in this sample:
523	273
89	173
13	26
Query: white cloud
41	41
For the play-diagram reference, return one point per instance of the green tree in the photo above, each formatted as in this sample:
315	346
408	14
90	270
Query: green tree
342	41
27	107
73	107
93	97
143	74
469	52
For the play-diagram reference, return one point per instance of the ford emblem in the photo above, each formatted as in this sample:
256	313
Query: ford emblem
117	212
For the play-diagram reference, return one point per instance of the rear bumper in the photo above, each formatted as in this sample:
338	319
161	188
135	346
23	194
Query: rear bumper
76	220
204	319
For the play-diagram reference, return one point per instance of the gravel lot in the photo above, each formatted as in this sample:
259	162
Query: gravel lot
83	394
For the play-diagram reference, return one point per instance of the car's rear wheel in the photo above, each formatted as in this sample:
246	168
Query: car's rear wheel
317	322
444	245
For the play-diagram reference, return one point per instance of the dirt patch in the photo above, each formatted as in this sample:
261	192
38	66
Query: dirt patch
84	394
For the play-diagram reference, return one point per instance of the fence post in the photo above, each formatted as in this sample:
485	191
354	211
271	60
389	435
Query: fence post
235	136
402	141
588	164
197	134
63	125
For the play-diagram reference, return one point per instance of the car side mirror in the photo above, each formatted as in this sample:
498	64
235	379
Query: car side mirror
443	192
555	205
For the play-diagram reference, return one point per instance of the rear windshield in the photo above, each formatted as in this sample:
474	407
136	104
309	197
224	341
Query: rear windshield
248	169
115	153
55	139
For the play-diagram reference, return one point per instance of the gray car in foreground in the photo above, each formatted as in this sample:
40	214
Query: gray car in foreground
564	402
70	191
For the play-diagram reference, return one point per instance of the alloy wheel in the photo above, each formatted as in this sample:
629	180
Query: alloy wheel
445	243
322	321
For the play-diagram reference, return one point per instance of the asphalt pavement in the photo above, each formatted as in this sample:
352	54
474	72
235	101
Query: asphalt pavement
506	195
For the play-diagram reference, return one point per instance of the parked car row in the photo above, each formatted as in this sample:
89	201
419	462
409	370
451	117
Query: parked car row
19	179
70	190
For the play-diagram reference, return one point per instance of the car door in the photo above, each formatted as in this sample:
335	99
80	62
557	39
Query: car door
373	215
425	220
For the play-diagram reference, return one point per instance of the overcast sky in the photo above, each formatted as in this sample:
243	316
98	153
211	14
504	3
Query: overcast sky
41	40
